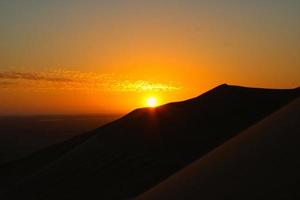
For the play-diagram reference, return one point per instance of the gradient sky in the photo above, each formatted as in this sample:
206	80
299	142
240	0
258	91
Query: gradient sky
76	57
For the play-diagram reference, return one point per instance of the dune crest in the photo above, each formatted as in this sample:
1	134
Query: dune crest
134	153
260	163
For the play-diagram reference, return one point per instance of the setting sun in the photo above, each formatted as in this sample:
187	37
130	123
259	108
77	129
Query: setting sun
151	102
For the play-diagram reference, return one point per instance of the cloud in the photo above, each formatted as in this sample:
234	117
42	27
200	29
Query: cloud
142	85
71	80
32	76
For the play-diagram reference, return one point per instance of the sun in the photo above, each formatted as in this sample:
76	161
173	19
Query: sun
151	101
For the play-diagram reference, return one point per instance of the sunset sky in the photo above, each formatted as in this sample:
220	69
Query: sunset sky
109	56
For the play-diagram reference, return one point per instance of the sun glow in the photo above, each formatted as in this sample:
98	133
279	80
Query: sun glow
151	102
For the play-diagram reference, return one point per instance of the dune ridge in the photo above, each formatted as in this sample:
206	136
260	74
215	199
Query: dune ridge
132	154
260	163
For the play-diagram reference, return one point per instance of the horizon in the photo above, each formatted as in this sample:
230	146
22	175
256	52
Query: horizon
94	58
110	114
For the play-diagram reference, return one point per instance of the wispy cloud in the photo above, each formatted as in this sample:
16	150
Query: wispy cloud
63	79
32	76
142	85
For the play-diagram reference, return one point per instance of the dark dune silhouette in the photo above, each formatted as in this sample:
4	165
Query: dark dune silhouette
261	163
130	155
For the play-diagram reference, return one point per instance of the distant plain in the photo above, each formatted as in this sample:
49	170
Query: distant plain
22	135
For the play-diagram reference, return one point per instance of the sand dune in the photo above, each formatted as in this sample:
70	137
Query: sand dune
261	163
128	156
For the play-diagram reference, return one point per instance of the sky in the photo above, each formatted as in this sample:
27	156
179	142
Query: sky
109	56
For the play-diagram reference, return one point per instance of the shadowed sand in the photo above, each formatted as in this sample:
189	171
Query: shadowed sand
261	163
128	156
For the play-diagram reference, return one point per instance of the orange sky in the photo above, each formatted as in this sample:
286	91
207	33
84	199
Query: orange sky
78	57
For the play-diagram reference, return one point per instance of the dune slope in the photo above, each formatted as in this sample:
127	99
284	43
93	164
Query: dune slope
261	163
132	154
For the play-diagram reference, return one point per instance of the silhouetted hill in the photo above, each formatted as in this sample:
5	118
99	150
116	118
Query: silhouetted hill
261	163
132	154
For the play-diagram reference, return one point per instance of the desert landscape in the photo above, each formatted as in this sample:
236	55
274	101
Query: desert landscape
125	158
149	99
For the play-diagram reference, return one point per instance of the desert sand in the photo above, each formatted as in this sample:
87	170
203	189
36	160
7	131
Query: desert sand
261	163
127	157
